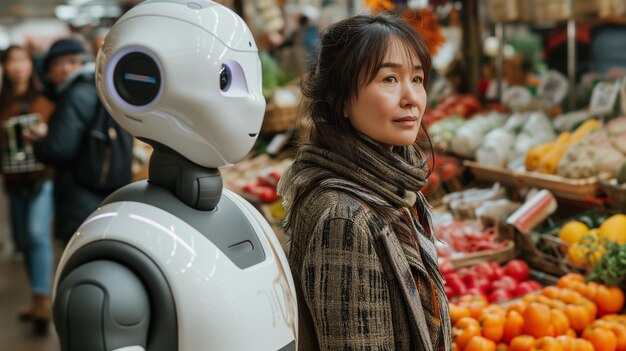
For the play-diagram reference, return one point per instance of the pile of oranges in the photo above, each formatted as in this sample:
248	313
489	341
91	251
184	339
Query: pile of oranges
560	318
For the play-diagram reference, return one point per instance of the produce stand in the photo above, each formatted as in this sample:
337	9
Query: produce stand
500	255
587	189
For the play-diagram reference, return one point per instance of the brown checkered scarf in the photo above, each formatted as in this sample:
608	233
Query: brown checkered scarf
389	182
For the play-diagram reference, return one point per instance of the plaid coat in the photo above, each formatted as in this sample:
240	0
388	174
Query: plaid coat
348	298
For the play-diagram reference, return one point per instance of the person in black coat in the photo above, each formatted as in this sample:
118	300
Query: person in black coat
72	88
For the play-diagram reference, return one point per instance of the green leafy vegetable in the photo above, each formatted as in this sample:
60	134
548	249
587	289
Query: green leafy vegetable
611	270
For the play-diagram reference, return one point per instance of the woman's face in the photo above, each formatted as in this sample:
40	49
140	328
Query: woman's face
19	67
389	109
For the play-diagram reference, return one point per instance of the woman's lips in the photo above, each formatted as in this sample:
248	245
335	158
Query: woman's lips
408	121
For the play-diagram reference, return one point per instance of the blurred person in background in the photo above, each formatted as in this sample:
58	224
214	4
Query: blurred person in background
71	86
29	190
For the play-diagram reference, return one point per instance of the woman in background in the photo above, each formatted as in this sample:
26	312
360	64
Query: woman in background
29	187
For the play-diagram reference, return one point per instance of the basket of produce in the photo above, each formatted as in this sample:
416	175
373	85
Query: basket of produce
573	315
616	189
465	243
497	282
576	244
279	119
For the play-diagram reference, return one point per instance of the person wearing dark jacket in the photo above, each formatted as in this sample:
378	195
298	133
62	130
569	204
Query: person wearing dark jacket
27	183
77	103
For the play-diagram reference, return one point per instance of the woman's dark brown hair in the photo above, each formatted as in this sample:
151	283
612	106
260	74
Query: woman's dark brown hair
351	53
7	93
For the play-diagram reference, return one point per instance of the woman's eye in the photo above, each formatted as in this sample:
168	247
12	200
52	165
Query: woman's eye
390	79
418	80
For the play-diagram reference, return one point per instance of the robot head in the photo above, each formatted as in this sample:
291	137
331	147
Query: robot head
185	74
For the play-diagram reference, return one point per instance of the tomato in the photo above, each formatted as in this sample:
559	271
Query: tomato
620	334
502	347
476	304
522	343
566	341
547	343
578	317
498	272
536	319
456	284
484	269
526	287
478	343
563	282
609	299
492	326
475	281
560	322
499	295
505	283
475	291
602	339
457	312
465	329
581	345
513	325
517	269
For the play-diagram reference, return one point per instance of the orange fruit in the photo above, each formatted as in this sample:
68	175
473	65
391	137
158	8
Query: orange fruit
572	231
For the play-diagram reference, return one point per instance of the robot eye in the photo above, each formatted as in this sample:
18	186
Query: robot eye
233	80
225	78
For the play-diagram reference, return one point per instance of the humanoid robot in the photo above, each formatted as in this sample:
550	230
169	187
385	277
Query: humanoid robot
177	263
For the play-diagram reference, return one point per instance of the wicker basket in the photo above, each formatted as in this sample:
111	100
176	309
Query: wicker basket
616	193
543	250
279	119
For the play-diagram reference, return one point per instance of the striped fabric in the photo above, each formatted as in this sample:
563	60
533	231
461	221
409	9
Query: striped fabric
17	155
359	287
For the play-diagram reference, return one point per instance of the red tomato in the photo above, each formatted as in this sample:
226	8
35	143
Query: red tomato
517	269
505	283
526	287
484	269
499	295
498	272
475	292
456	283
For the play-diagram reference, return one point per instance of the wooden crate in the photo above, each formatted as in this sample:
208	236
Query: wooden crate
559	10
509	10
611	8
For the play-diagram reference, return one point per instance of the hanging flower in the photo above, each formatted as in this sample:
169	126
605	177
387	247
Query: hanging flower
426	23
378	6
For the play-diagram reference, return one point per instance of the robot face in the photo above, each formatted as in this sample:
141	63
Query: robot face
185	74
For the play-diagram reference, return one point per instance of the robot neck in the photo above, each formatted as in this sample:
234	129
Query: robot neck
198	187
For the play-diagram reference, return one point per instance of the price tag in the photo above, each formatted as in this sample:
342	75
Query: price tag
516	97
553	88
603	98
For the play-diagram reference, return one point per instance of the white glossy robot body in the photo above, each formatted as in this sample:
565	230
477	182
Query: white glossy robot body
218	305
175	263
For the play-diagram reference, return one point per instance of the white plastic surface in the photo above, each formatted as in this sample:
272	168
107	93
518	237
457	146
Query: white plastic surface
191	115
131	348
219	306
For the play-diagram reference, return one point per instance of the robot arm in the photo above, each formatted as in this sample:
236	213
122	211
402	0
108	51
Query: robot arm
106	307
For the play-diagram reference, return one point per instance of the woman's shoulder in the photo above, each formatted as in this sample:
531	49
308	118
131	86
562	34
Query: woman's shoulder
326	204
